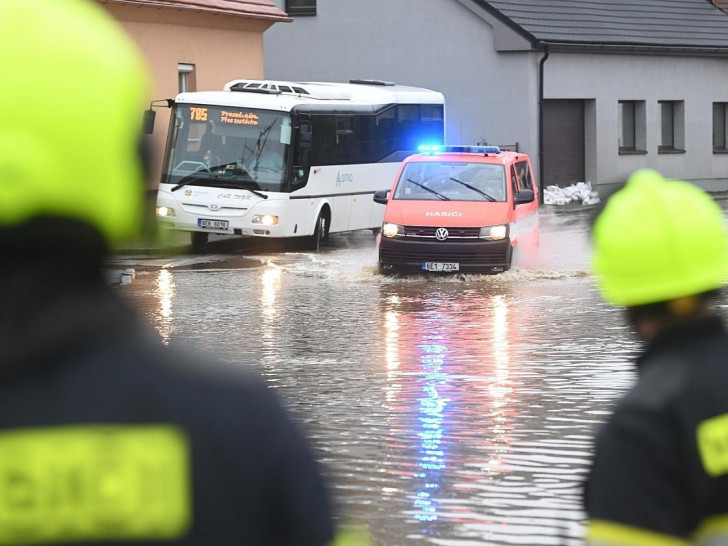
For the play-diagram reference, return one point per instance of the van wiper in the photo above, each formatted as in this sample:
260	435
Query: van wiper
217	183
481	192
429	189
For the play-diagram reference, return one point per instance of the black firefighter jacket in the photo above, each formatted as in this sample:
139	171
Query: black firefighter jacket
660	473
108	437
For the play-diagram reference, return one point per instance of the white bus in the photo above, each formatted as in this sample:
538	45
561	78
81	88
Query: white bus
290	159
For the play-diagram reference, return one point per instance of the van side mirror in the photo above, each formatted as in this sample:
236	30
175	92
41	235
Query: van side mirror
380	196
523	197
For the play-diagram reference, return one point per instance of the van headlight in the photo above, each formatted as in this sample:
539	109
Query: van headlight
392	230
265	219
494	233
165	212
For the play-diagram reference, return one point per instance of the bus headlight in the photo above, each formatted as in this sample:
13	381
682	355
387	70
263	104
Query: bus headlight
165	212
265	219
494	233
392	230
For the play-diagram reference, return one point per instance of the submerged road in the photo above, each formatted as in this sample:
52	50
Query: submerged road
446	410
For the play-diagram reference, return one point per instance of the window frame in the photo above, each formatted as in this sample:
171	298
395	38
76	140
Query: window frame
638	133
720	124
186	80
300	7
675	141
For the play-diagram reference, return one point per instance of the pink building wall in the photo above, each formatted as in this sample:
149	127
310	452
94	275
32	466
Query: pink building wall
221	46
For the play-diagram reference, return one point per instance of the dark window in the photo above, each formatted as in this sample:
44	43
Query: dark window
301	7
672	126
627	126
632	127
514	181
385	133
524	175
667	125
720	126
390	135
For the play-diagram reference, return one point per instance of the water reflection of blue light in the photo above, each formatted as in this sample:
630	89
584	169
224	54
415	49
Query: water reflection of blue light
431	432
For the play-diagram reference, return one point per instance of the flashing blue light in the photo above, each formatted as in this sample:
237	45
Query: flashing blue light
443	148
429	148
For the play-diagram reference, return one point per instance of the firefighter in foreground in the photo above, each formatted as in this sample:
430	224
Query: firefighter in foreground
106	436
660	473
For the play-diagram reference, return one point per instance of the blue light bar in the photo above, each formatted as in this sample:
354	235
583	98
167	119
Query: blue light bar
429	148
445	148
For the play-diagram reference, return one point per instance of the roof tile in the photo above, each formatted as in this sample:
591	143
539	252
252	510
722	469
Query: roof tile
658	23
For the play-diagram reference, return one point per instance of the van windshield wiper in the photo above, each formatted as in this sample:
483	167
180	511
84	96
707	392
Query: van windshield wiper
481	192
429	189
216	182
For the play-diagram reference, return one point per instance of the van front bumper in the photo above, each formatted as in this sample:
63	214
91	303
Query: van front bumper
407	255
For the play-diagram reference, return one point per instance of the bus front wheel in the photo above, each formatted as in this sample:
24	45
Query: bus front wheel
320	233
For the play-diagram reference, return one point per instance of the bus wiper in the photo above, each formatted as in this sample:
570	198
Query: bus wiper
446	198
239	186
217	181
189	179
481	192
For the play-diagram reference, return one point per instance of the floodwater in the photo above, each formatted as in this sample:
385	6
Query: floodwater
446	410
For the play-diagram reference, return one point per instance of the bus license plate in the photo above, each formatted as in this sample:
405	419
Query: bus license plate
441	266
212	224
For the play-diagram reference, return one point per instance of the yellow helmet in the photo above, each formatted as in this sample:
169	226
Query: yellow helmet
658	240
71	101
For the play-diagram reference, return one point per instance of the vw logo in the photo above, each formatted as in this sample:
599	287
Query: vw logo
214	206
441	234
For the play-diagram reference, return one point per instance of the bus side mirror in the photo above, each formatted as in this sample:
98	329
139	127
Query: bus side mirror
304	136
148	121
380	196
523	197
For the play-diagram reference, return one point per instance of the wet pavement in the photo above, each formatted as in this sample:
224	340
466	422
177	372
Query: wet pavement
450	410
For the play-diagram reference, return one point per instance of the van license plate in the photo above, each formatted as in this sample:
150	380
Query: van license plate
441	266
212	224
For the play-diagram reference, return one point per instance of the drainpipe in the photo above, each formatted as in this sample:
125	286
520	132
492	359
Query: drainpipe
540	121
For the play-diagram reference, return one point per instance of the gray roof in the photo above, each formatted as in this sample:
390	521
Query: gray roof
657	24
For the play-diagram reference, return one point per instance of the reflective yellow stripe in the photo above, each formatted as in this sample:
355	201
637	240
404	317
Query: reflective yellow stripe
352	537
713	530
88	482
712	436
607	533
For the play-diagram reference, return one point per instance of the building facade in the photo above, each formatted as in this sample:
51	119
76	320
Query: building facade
194	45
590	90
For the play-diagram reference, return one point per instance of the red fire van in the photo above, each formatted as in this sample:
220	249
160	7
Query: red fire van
459	208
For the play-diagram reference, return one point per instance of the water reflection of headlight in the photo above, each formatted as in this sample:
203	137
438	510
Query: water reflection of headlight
165	291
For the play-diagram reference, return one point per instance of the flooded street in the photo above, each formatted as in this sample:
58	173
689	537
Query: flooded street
447	410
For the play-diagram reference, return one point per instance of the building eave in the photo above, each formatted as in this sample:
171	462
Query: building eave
216	7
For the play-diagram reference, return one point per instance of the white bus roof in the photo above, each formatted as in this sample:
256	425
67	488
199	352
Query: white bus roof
283	96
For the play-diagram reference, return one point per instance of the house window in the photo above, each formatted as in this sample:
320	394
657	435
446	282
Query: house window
301	7
632	127
186	77
672	127
720	127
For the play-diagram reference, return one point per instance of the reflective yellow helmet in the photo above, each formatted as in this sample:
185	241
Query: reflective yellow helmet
658	240
71	101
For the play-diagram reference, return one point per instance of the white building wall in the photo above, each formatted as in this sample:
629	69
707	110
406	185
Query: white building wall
437	44
490	79
607	79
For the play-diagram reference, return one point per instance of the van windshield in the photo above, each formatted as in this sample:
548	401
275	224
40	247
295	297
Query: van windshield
456	181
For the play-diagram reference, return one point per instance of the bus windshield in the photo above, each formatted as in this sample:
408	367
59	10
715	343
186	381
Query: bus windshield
228	147
457	181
